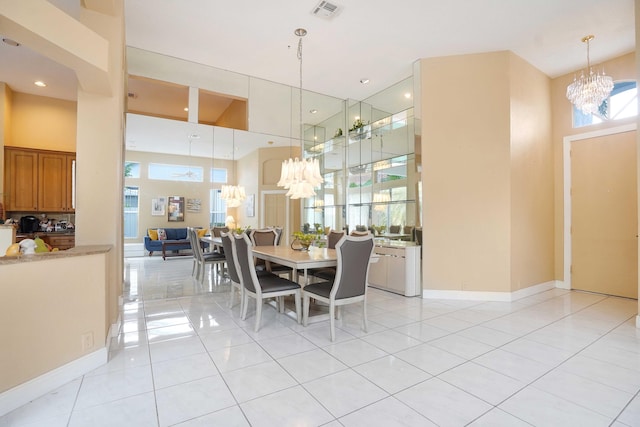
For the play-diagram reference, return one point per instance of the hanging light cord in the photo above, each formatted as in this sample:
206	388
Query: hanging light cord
301	33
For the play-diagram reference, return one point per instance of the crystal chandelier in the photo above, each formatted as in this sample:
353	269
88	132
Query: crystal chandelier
300	176
589	91
233	195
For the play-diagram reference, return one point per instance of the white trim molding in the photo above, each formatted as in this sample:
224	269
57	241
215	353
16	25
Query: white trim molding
489	295
39	386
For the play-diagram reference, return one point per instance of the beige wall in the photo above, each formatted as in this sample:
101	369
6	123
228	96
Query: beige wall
487	197
532	227
43	123
620	68
465	172
59	292
150	189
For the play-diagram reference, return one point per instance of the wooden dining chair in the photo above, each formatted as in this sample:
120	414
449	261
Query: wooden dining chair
350	284
261	287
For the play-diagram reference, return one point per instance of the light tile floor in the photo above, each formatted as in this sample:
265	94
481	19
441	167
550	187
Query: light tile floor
183	358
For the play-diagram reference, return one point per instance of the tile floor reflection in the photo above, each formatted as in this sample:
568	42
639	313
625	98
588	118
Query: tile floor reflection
184	358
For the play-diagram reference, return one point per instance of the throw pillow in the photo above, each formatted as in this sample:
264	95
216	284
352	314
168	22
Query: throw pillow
162	234
202	232
153	234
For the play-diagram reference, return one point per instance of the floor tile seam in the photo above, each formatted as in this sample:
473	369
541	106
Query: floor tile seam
635	396
153	385
108	402
584	376
496	408
391	396
355	410
610	363
526	382
75	401
582	405
480	398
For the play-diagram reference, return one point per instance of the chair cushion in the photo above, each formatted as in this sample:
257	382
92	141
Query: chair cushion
273	283
322	289
327	273
211	256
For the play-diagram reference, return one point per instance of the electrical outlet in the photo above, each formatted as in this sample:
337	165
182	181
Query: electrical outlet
87	341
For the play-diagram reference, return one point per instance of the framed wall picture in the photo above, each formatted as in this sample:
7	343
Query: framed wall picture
176	208
193	205
158	206
250	205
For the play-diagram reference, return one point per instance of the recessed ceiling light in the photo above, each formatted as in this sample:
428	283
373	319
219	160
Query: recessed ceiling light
313	111
11	42
40	83
407	95
364	81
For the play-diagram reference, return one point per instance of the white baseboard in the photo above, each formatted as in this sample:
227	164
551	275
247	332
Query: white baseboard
488	295
39	386
560	284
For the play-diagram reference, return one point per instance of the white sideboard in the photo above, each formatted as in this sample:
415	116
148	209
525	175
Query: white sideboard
397	268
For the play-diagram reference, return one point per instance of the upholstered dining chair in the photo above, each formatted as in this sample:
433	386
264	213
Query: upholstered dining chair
360	233
328	273
408	230
261	287
268	237
232	269
350	284
200	258
394	229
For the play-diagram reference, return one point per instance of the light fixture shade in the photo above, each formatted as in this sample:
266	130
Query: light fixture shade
589	91
230	222
233	195
300	176
380	200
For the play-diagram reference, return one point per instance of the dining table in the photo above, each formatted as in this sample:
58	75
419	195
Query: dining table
297	260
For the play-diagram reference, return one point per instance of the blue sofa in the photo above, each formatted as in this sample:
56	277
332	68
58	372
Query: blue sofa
176	236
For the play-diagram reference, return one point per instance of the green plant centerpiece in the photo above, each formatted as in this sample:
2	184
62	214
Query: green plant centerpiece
240	230
379	229
302	241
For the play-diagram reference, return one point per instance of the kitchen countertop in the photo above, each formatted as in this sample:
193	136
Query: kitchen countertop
45	256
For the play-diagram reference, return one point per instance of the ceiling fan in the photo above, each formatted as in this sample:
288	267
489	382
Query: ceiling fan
189	173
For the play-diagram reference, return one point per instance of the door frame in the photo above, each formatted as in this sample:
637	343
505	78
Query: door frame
286	207
566	157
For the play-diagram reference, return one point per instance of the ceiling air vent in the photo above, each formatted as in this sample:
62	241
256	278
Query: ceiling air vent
326	10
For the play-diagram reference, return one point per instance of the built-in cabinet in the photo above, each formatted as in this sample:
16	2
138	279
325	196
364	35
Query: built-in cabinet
396	268
39	180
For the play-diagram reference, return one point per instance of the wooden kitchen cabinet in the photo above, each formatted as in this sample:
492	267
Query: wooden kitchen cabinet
21	180
55	180
38	180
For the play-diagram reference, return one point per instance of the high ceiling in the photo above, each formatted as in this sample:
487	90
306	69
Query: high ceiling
366	39
373	39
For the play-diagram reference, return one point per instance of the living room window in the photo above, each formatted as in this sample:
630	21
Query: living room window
218	175
131	212
217	208
175	172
